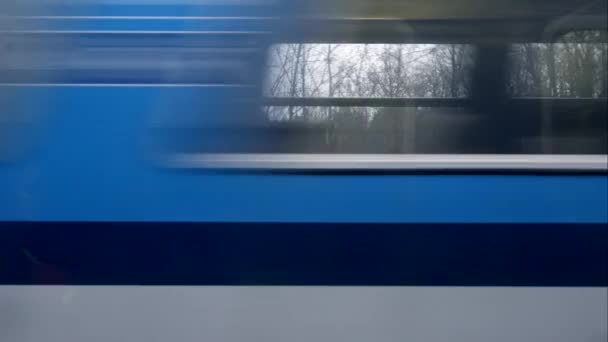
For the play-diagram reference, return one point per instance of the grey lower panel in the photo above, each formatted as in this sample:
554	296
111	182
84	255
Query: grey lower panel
147	314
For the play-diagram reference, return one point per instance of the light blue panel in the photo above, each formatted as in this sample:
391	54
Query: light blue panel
93	163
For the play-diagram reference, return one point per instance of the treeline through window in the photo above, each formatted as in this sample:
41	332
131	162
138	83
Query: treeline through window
369	70
417	98
574	66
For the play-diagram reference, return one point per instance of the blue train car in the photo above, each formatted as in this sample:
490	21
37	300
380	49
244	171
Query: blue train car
344	170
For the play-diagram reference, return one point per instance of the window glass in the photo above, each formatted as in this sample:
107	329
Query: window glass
384	130
573	66
368	70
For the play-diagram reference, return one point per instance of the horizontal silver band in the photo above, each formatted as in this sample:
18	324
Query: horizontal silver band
391	162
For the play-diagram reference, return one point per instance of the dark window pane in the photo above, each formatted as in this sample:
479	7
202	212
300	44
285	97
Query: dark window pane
574	66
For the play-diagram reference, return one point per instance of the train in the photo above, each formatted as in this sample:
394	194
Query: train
332	170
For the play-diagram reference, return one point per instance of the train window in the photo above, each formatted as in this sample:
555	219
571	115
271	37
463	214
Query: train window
369	70
575	65
483	103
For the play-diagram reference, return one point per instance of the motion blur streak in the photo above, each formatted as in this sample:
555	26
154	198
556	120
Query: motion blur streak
303	170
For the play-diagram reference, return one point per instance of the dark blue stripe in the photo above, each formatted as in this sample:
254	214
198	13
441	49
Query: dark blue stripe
304	254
